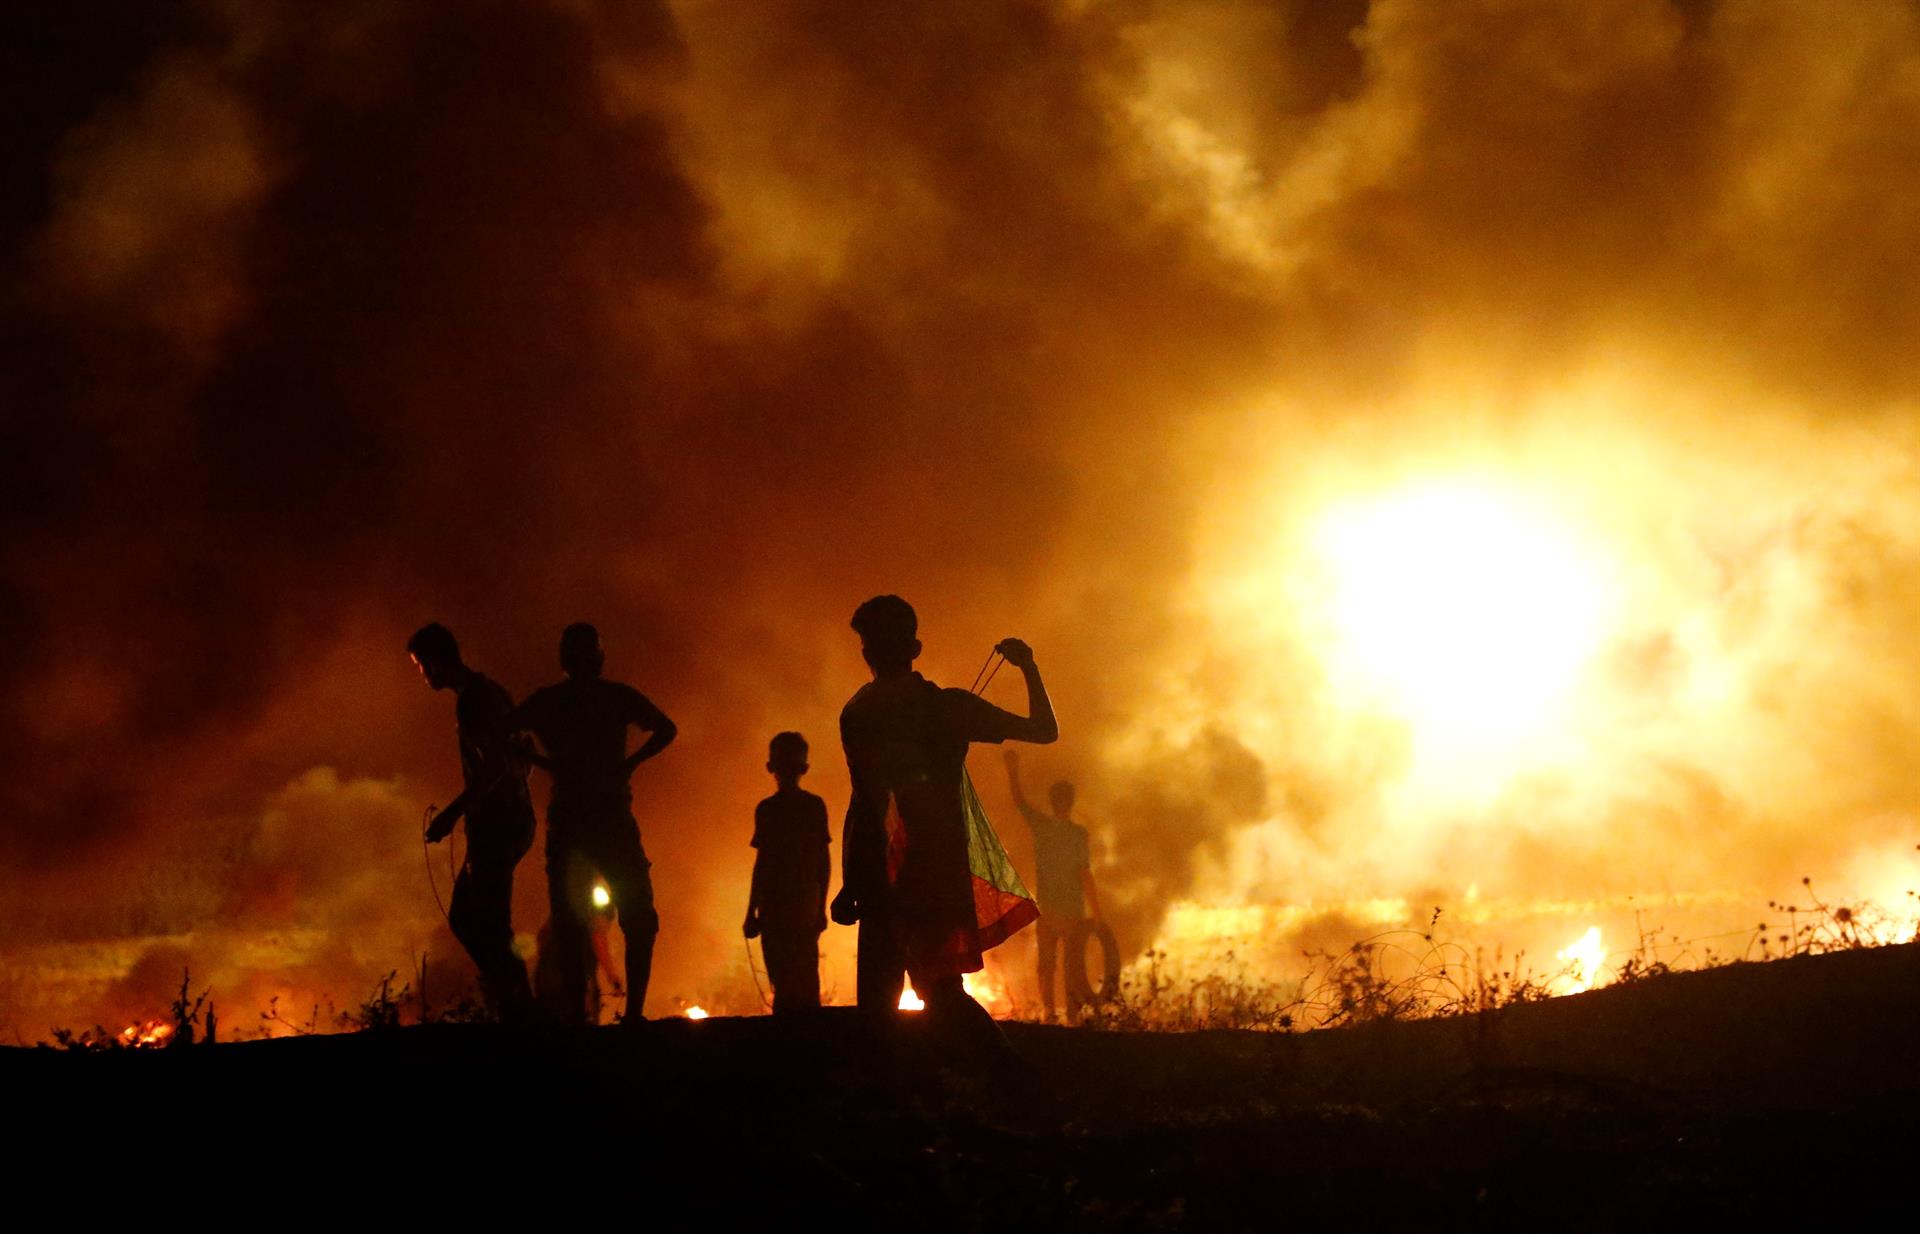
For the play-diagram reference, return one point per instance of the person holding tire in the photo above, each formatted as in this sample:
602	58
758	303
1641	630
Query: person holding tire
1069	906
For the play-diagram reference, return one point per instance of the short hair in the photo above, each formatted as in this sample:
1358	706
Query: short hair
433	641
579	646
783	742
886	621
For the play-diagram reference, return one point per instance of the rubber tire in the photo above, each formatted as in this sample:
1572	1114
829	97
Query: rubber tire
1078	987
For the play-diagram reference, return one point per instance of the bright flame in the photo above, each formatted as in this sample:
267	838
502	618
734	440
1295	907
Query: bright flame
910	1001
696	1013
149	1034
602	897
1584	957
983	988
1464	611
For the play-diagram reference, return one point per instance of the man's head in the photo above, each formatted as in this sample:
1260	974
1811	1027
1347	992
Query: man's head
580	654
436	655
1061	795
888	633
787	756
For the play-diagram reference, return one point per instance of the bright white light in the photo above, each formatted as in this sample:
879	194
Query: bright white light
1465	612
696	1013
601	896
1583	957
910	1001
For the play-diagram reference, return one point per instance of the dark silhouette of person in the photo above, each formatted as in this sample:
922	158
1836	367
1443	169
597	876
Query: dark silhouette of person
1065	882
906	877
787	906
582	724
498	813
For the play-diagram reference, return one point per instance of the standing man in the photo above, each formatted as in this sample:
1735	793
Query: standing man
1065	882
908	874
499	817
582	724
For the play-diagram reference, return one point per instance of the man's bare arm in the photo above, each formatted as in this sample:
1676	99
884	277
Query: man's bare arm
1039	725
660	732
441	825
1013	781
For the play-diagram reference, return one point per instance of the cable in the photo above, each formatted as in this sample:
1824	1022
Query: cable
426	856
755	973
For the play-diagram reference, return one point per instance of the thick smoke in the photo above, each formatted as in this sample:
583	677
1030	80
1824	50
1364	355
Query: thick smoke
705	321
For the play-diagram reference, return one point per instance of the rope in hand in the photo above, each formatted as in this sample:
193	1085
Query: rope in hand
979	686
426	856
453	866
755	973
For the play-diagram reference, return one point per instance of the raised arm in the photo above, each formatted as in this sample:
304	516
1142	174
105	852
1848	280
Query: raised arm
660	731
1013	782
1039	725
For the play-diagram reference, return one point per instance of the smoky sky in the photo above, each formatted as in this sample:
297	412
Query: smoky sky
704	322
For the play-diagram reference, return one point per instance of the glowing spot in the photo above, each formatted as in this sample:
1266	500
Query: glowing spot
601	896
1584	957
984	990
696	1013
1467	613
151	1033
910	1001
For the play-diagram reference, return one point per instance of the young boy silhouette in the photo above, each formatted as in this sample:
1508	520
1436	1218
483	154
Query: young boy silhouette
787	906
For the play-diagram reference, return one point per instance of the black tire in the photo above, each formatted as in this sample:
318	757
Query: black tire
1079	989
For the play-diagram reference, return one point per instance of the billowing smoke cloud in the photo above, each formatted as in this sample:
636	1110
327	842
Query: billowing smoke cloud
704	322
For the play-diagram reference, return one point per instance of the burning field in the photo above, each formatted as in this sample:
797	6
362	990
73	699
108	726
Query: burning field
1455	465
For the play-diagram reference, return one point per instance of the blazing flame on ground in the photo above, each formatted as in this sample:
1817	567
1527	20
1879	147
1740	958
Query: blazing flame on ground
1585	958
696	1013
151	1033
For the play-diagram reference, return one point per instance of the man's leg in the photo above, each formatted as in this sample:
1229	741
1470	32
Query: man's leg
793	965
567	909
1047	939
482	917
968	1025
623	863
880	970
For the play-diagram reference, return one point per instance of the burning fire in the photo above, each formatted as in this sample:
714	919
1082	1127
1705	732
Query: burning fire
696	1013
152	1033
984	989
1466	612
601	896
1585	957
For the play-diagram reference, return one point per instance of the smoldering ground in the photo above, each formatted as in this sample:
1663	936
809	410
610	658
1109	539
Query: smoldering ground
1069	320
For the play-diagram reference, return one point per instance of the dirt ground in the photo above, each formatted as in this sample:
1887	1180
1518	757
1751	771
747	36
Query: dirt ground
1770	1093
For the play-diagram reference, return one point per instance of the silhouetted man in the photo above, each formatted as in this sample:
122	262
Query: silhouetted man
787	906
582	724
907	875
1064	884
499	816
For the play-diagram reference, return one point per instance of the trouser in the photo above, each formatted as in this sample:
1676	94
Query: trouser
610	848
1052	937
481	915
880	969
793	965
